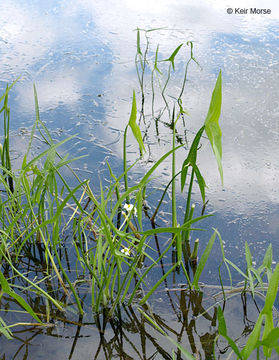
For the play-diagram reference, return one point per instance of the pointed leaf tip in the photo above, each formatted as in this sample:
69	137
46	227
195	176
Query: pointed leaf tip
211	123
134	126
173	55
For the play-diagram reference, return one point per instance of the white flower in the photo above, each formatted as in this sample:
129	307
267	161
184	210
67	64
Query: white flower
126	251
130	208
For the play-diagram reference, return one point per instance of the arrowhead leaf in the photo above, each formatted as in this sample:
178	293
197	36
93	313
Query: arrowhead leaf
173	55
211	123
134	126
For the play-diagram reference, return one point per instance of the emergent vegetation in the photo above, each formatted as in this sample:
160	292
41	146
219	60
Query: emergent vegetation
112	243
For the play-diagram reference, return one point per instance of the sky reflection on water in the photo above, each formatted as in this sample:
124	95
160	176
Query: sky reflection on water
81	54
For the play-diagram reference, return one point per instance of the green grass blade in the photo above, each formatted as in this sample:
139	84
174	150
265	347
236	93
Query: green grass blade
38	120
147	271
174	230
159	282
149	172
156	61
237	269
185	352
139	202
233	346
4	329
6	289
222	328
44	153
203	260
191	158
149	318
8	89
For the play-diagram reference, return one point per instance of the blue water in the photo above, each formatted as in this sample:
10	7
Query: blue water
80	55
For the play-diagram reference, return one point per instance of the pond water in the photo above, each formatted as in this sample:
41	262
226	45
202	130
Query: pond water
80	54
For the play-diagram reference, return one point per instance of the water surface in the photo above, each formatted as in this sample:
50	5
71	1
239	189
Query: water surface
80	54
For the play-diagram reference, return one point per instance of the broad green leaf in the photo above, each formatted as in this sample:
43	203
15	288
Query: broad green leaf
201	182
271	292
248	256
267	261
173	55
133	124
268	327
265	264
203	260
211	123
271	340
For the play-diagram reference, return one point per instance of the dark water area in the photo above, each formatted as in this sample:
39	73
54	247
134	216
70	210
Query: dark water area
80	55
128	335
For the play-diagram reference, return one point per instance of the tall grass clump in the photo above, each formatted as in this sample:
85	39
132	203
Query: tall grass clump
57	234
113	244
32	215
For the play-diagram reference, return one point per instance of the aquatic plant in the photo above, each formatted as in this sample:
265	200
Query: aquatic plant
37	195
112	242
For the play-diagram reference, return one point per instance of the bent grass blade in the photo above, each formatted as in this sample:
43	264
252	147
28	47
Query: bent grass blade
6	289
